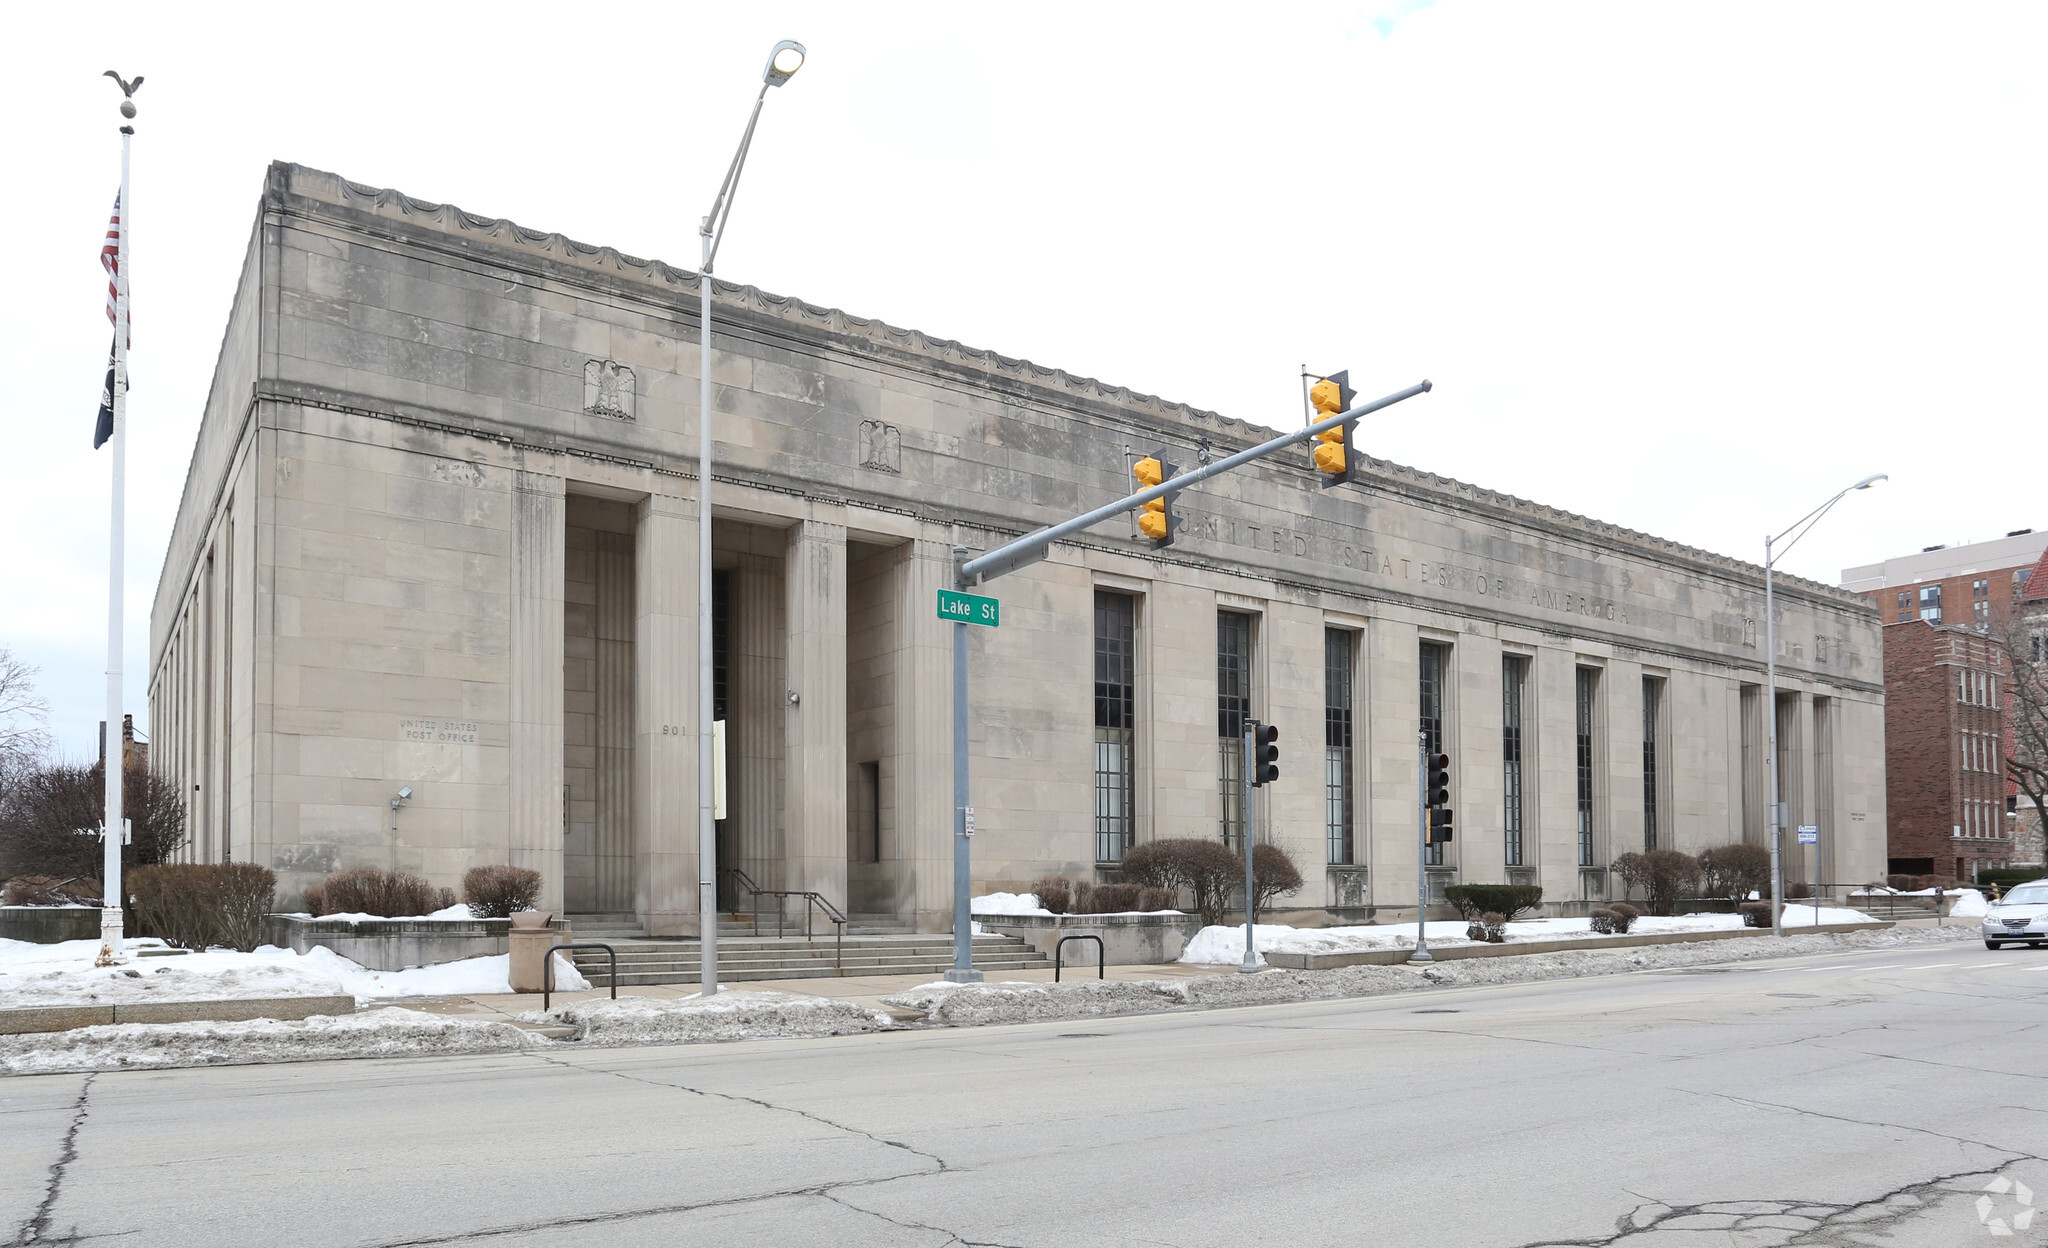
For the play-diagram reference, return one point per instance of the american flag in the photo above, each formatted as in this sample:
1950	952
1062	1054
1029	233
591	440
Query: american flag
110	260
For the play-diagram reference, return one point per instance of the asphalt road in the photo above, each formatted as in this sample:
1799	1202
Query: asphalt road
1849	1099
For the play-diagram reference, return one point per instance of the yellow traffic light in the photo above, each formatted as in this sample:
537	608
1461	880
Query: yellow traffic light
1155	518
1330	454
1326	397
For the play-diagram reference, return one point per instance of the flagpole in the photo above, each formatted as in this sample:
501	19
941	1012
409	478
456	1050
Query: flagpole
116	762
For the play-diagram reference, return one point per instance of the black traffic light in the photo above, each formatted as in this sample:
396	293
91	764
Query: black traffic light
1156	519
1437	785
1440	825
1336	457
1265	753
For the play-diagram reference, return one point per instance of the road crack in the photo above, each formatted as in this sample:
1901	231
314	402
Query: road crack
35	1229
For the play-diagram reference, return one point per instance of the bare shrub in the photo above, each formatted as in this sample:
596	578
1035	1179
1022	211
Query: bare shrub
1154	899
315	901
1206	869
1601	919
1663	876
1755	913
373	890
1273	875
198	906
1904	883
1735	871
1489	927
44	890
1055	893
1797	890
50	815
1513	900
1111	899
497	892
1625	916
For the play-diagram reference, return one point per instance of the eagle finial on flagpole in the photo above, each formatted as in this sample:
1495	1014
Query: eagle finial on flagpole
128	90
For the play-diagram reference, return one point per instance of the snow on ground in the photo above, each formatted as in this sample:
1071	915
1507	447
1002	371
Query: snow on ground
1972	904
731	1015
1007	903
388	1032
457	913
1224	946
960	1005
63	974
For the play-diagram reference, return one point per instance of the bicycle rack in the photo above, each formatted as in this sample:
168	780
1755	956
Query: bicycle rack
1101	957
547	968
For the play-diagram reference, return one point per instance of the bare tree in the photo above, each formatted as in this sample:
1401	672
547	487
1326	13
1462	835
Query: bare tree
23	713
2026	645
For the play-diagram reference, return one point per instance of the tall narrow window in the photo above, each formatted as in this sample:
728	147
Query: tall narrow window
1514	676
1233	706
1435	659
1115	727
1586	678
1652	697
1337	757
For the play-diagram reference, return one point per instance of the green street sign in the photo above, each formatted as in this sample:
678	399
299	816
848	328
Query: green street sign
969	608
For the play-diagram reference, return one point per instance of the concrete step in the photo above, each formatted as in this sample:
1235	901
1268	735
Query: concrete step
676	961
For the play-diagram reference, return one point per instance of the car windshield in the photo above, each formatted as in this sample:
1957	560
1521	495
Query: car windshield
2031	895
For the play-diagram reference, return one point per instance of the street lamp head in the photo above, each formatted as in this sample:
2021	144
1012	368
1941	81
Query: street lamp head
783	62
1870	480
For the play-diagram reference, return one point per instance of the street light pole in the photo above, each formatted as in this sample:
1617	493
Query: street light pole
783	62
1774	815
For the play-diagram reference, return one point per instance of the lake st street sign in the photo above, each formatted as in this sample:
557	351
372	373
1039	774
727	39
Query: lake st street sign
969	608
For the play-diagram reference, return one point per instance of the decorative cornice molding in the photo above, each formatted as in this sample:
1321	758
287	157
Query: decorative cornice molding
292	179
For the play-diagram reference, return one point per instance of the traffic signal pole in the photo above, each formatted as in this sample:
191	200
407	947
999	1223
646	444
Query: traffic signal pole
1251	736
1421	953
1030	549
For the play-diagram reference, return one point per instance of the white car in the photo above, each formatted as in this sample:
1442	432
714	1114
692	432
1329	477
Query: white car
2021	915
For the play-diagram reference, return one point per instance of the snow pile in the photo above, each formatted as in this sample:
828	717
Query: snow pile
731	1015
1224	946
63	974
1970	905
160	1046
1007	903
970	1005
457	913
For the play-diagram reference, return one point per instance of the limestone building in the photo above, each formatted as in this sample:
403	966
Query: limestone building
439	532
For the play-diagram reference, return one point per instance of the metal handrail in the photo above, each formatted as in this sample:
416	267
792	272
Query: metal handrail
547	968
810	900
1101	957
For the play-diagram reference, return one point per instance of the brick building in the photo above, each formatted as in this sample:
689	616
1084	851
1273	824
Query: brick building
2028	634
1947	611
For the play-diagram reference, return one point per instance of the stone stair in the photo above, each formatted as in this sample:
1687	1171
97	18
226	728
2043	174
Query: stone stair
793	957
606	927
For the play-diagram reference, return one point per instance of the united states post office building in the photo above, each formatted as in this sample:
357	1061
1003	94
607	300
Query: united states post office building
439	532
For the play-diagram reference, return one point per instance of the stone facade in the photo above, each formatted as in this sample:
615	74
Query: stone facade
439	531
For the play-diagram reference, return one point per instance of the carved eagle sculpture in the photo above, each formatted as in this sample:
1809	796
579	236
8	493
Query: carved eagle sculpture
128	88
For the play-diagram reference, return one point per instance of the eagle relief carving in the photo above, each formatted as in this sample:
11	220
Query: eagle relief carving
608	389
881	446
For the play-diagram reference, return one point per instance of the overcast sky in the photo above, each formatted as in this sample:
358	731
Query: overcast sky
1685	268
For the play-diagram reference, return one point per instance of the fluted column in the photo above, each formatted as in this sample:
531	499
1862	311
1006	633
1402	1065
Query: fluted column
534	735
924	741
664	716
815	726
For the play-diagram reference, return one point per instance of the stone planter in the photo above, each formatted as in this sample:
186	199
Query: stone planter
394	944
47	925
1127	939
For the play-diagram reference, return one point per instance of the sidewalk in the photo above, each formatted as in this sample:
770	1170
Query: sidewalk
865	990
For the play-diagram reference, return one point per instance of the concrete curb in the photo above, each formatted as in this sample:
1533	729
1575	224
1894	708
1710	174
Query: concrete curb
23	1020
1451	953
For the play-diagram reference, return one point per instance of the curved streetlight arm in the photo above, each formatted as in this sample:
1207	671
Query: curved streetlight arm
712	228
1806	522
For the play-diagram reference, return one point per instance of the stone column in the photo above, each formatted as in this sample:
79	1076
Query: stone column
665	727
924	738
757	697
1390	765
534	734
815	727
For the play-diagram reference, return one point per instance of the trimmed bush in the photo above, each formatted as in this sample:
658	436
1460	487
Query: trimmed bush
1755	913
498	892
373	890
1798	890
1625	916
1205	868
1735	871
1663	875
1904	883
1472	901
2003	878
45	890
198	906
1601	920
1153	899
1273	875
1111	899
1489	927
1055	893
